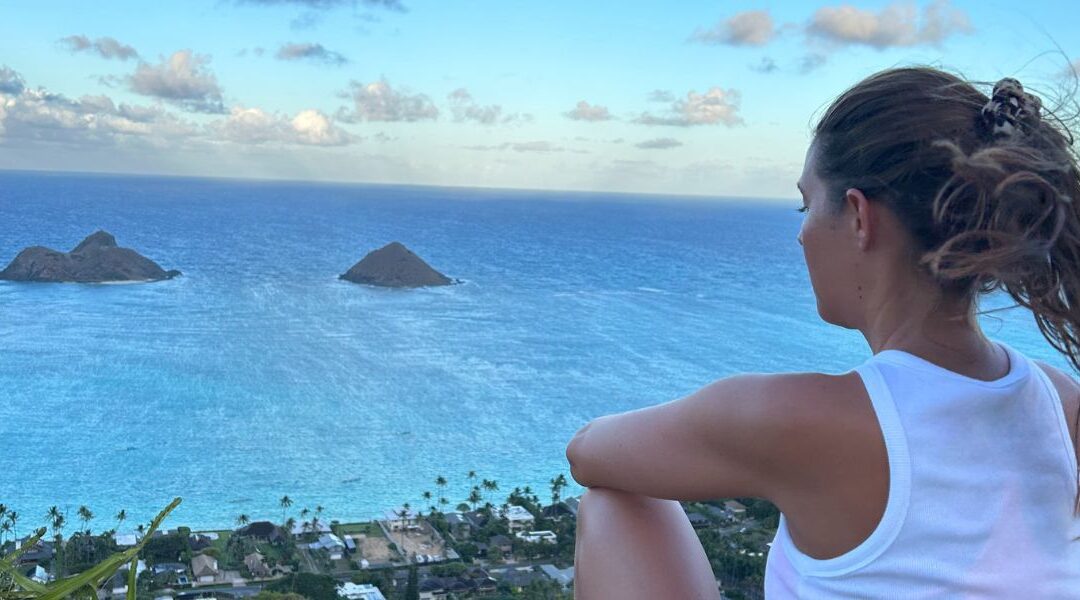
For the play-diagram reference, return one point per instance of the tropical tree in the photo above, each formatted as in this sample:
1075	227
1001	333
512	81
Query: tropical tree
557	484
242	520
13	518
290	523
86	515
304	512
120	518
443	502
475	497
5	528
403	513
285	502
440	481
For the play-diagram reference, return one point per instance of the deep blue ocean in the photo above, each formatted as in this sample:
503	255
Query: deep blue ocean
259	374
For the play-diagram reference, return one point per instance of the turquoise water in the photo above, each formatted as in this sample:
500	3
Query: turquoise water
259	374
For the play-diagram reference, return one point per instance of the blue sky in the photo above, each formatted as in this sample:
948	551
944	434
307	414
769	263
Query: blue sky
689	97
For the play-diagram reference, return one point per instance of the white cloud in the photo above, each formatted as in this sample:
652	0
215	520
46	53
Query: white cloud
182	79
536	146
750	28
588	112
897	25
312	52
378	101
661	96
106	47
714	106
255	126
659	144
464	108
40	115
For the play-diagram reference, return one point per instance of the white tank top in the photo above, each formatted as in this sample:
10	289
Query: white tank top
981	492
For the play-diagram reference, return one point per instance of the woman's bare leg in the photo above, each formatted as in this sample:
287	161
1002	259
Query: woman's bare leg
631	546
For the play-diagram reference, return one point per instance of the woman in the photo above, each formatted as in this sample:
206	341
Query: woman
942	466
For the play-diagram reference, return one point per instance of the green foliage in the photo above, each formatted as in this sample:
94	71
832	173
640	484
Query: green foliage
165	548
83	584
448	569
309	585
265	595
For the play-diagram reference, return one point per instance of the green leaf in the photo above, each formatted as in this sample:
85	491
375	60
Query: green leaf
106	568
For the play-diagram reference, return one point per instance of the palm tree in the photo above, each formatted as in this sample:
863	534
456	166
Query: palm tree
5	527
243	520
443	502
440	481
427	497
474	497
13	517
557	484
120	518
491	486
290	523
286	502
304	512
318	510
141	528
403	513
86	515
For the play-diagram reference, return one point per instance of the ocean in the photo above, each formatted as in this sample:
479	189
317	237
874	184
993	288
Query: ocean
259	374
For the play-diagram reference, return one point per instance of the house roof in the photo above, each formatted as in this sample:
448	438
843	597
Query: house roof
516	513
203	564
263	529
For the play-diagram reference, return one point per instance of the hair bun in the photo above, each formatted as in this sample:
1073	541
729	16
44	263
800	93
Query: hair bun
1010	111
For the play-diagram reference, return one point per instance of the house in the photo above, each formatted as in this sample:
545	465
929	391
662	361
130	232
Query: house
467	585
262	530
537	537
698	520
118	582
35	572
501	542
556	511
204	568
200	541
256	565
126	540
173	567
563	576
518	577
299	529
41	551
518	517
734	508
459	526
331	543
400	517
572	504
352	591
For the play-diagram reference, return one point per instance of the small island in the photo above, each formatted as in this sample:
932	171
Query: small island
394	265
97	259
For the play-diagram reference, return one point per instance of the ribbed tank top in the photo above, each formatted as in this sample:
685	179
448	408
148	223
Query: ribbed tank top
982	483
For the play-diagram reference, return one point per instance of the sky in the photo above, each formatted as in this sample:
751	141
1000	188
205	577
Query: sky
683	98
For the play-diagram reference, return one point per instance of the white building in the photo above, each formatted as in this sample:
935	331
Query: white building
538	536
517	517
352	591
395	518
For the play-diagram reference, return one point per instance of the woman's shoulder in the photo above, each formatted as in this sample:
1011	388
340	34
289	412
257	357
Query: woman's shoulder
1068	391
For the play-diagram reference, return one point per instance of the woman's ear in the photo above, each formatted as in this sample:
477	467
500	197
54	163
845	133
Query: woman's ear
860	211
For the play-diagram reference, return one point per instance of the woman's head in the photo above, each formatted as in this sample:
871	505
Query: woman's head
916	177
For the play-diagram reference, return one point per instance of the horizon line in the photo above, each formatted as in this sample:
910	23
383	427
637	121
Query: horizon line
694	197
